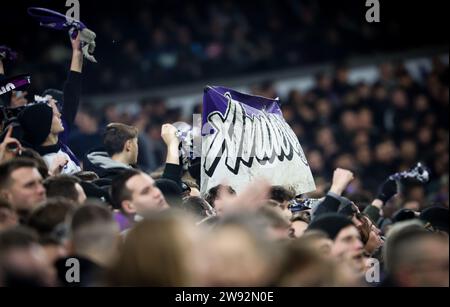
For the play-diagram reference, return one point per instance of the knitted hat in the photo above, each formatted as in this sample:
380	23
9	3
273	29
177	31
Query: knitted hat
437	217
36	122
331	224
403	215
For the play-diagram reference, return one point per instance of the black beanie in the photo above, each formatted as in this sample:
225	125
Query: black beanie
437	217
36	122
403	215
330	223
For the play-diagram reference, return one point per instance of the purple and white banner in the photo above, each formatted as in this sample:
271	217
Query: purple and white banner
245	137
14	83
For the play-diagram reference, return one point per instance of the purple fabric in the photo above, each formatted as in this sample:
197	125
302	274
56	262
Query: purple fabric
215	99
122	220
14	83
55	20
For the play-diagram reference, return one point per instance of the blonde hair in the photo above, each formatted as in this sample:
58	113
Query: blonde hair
152	254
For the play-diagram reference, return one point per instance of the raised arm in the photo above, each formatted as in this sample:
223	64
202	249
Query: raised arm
172	170
341	179
72	87
386	191
77	55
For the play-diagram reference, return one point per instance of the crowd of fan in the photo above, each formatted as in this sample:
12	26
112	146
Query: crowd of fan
154	43
128	227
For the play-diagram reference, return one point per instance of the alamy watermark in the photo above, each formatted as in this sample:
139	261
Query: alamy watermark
74	10
73	271
373	13
372	274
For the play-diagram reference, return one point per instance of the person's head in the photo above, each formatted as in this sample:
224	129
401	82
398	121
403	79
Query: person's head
135	192
198	207
299	223
39	121
418	258
346	239
23	261
317	240
87	119
57	125
216	194
279	227
304	266
55	100
37	158
94	233
436	219
51	221
21	185
239	253
8	217
65	186
121	141
156	252
395	230
50	218
283	196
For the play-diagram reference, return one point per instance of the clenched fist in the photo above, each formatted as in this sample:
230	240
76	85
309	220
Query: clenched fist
341	179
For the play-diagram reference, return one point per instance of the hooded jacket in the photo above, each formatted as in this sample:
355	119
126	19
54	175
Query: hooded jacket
101	163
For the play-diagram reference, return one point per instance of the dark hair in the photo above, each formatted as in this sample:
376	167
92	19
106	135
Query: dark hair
197	206
116	135
281	194
119	190
365	228
48	217
17	237
62	186
40	162
213	193
6	169
93	212
303	216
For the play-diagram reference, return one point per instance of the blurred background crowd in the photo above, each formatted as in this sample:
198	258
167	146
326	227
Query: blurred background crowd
177	42
133	216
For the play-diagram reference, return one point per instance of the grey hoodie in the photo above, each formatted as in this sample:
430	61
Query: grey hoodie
102	164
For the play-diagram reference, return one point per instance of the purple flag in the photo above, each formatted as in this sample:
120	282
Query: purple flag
55	20
246	137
